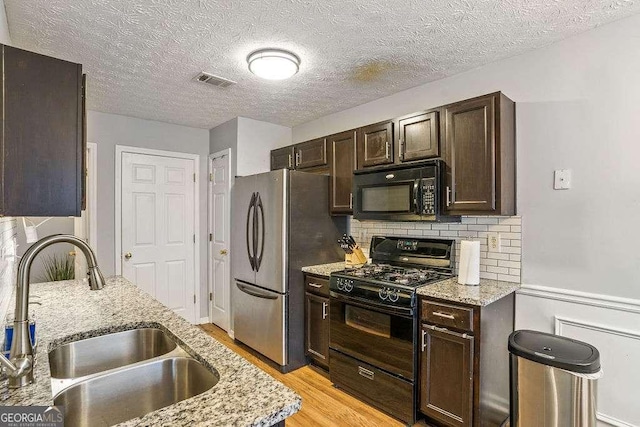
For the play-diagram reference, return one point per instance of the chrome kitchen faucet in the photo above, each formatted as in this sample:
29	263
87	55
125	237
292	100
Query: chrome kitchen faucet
19	367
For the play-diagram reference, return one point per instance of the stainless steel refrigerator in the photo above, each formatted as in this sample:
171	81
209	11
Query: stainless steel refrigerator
281	222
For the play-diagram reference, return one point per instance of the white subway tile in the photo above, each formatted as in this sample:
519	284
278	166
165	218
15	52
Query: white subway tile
499	228
514	271
477	227
517	243
497	255
487	275
469	220
510	220
423	226
499	270
516	229
514	236
509	264
515	257
512	249
447	233
431	233
468	234
458	227
439	226
509	278
487	220
487	261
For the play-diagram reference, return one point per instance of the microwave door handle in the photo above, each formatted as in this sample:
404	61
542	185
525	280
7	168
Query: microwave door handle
416	189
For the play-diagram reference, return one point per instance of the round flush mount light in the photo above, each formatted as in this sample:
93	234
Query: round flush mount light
273	64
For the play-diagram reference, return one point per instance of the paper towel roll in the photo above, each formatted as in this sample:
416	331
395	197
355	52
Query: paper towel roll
469	265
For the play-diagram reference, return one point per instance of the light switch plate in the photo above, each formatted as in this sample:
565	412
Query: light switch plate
562	179
494	242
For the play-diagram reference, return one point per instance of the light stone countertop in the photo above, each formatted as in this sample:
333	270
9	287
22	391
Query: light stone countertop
324	270
244	395
484	294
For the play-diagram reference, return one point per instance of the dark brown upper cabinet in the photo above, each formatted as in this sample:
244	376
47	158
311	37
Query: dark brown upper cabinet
418	136
42	137
479	152
375	145
311	154
342	161
282	158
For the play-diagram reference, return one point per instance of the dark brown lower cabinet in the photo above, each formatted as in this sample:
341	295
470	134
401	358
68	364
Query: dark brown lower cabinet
464	362
317	328
447	375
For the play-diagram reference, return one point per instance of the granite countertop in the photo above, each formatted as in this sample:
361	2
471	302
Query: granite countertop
244	395
324	269
484	294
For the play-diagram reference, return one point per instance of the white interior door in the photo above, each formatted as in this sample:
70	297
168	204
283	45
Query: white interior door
157	223
219	239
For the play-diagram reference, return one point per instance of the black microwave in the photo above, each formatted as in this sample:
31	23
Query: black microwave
400	194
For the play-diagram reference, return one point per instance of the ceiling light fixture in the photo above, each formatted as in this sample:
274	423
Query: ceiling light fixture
273	64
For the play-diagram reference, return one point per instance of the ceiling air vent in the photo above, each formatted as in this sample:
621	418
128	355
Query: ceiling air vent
213	80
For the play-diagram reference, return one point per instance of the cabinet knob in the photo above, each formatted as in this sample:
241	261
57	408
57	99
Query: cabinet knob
128	256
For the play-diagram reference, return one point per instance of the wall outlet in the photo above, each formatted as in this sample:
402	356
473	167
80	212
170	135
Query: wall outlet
562	179
494	242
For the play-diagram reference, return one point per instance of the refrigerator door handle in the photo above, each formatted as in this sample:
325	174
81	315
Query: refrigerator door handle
251	245
251	292
262	231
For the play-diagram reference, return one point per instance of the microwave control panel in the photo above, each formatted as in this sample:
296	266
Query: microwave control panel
429	196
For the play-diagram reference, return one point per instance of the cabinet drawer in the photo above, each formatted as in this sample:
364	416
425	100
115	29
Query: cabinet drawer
447	315
316	285
372	385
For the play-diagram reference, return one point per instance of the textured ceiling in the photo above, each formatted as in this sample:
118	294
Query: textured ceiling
141	55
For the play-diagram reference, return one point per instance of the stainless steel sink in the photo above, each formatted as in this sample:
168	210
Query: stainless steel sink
133	391
99	354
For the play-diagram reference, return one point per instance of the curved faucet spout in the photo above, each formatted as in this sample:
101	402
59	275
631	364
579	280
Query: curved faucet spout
20	367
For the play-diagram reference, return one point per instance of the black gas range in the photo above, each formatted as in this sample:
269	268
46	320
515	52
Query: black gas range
374	320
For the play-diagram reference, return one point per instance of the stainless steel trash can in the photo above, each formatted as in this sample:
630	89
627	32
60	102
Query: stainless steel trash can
553	380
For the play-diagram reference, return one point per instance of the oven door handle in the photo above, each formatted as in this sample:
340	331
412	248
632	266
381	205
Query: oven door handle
359	302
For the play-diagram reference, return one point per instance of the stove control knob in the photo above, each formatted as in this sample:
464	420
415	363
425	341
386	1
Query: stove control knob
348	286
393	295
383	293
341	284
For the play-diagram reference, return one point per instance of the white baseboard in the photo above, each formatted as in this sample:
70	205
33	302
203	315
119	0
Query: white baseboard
204	320
611	324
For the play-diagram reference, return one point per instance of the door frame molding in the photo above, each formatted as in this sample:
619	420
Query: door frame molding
222	153
121	149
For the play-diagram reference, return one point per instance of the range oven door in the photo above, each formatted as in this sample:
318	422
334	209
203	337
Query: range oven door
377	335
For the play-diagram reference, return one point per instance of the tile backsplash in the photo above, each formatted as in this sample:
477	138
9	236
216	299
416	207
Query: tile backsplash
504	265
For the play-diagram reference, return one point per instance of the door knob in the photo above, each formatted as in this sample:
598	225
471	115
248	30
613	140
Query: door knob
127	256
223	252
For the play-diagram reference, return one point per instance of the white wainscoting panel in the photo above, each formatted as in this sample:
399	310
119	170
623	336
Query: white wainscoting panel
611	324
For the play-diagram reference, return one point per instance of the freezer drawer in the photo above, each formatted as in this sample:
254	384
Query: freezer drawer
260	321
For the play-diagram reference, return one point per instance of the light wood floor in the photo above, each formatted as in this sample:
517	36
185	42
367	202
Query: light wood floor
322	404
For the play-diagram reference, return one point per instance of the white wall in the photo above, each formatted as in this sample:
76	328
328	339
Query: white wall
109	130
255	141
5	37
576	108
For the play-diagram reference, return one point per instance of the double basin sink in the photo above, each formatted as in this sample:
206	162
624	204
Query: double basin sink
113	378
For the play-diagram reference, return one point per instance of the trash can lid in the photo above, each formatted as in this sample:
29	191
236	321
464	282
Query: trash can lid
553	350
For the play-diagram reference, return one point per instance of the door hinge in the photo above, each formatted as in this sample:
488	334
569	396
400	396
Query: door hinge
211	177
194	238
194	298
211	237
210	296
194	177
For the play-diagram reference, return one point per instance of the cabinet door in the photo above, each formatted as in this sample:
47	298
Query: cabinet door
470	156
311	154
446	376
317	328
375	145
342	148
418	137
282	158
